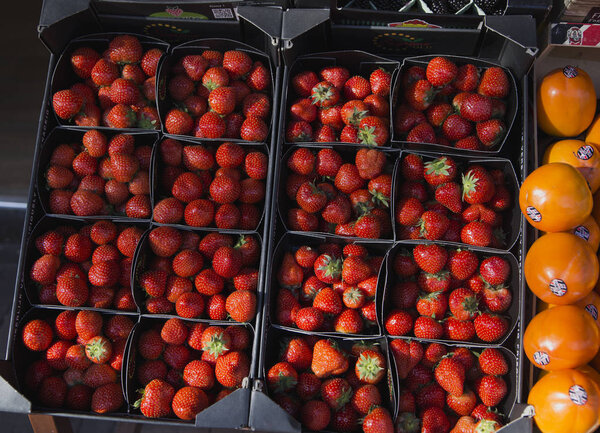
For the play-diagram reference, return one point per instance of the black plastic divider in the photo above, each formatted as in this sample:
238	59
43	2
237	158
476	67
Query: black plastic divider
165	103
158	193
512	108
32	254
507	404
348	153
291	241
511	222
22	357
71	134
64	77
230	413
357	62
513	312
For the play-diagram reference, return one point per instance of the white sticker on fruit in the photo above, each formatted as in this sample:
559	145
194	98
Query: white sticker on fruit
578	395
591	308
541	358
558	287
533	214
585	152
582	232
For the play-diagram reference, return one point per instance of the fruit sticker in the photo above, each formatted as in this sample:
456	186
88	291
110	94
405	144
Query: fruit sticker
582	232
570	71
578	395
541	358
585	152
533	214
558	287
591	308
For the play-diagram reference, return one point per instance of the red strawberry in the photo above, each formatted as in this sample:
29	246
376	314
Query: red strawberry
491	132
259	77
337	75
253	129
237	63
37	335
304	110
98	350
427	327
491	390
336	393
437	113
433	304
328	359
380	81
399	322
463	303
222	100
478	185
370	367
494	270
406	354
439	171
315	415
492	362
476	108
420	95
421	133
328	301
83	60
490	327
241	305
456	128
66	103
463	404
309	318
476	233
455	329
282	377
430	258
441	71
156	399
188	401
304	82
356	87
450	374
232	368
449	195
494	83
497	298
210	125
378	420
462	264
373	131
325	94
433	225
467	78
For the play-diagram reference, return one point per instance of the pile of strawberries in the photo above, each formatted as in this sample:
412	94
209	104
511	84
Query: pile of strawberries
117	87
187	366
452	106
222	186
100	177
348	199
79	362
219	95
444	388
328	288
329	388
448	293
437	202
213	276
86	267
333	106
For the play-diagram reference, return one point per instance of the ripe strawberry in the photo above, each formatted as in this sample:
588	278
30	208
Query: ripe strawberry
407	354
232	368
399	322
433	304
241	305
441	71
455	329
420	95
494	83
497	299
56	354
210	125
427	327
467	78
462	263
478	185
430	395
328	301
430	258
440	171
430	283
254	129
492	362
324	94
83	60
380	81
456	128
107	398
259	77
491	132
98	350
66	103
308	318
476	233
328	359
304	110
237	63
71	291
433	225
378	420
370	367
156	399
178	122
125	49
405	119
437	113
37	335
463	404
304	82
282	377
476	108
336	393
494	270
491	390
188	401
337	75
348	322
121	116
490	327
378	106
52	392
356	87
449	195
463	303
315	415
373	131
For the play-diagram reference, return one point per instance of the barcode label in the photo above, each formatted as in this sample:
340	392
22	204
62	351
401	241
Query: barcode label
222	13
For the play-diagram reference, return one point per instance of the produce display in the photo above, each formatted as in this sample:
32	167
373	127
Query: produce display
459	106
348	196
214	94
332	105
115	85
99	176
84	266
211	276
201	185
328	288
445	199
561	266
458	294
453	388
329	384
184	367
75	360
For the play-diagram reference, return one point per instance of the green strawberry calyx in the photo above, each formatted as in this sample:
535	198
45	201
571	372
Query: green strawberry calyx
368	367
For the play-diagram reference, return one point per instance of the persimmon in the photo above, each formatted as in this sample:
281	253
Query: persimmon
585	157
555	197
561	268
562	337
589	231
566	102
593	133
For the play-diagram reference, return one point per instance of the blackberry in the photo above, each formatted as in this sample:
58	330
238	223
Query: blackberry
438	7
488	6
456	5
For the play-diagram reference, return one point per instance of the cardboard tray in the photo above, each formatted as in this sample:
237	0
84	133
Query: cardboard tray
512	106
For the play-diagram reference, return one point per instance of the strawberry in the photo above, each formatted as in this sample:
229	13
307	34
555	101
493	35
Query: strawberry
332	117
345	419
430	283
298	353
232	368
299	219
439	171
456	127
463	303
52	392
83	60
490	327
378	420
478	185
491	132
178	122
66	103
405	119
356	87
467	78
449	195
328	301
491	390
282	377
315	415
304	82
413	74
407	354
156	399
299	131
409	211
471	142
125	49
336	393
463	404
380	81
337	75
253	129
430	258
462	264
37	335
241	305
497	298
476	233
399	322
481	411
104	72
373	131
222	100
421	133
107	398
328	359
325	94
432	304
433	225
476	108
440	71
501	200
437	113
492	362
352	112
98	350
427	327
328	269
259	77
430	395
348	322
419	95
455	329
434	420
210	125
237	63
370	367
377	106
498	109
494	270
494	83
149	62
309	318
353	297
188	401
304	110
